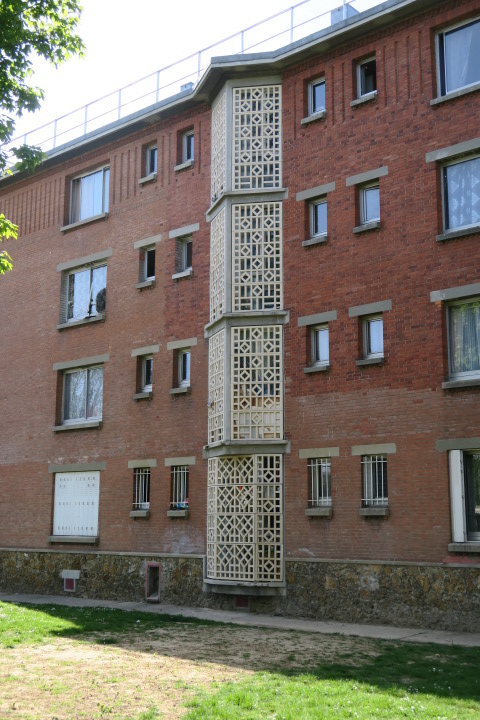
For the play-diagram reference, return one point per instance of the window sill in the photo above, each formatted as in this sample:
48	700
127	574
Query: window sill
453	384
152	177
316	368
319	240
143	395
319	512
465	547
184	165
180	390
370	361
455	94
145	284
185	273
374	512
87	221
313	118
368	97
74	539
84	321
177	513
462	232
139	513
78	426
366	227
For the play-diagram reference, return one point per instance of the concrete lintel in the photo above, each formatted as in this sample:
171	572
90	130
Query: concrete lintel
315	192
317	319
365	177
147	350
375	449
458	444
144	463
77	467
185	230
370	308
180	344
455	292
323	452
467	146
146	242
82	362
184	460
85	260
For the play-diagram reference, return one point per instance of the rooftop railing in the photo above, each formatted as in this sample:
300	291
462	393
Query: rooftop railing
280	29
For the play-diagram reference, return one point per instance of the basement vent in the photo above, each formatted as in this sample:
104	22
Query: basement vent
70	578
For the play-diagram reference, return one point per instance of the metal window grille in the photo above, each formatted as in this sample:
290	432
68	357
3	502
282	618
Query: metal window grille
179	487
319	470
375	489
141	488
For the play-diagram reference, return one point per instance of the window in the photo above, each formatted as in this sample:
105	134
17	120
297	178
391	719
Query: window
369	203
316	97
463	321
465	494
188	146
75	506
151	160
83	395
179	475
366	77
86	292
184	368
320	471
148	264
318	218
373	336
141	488
319	345
459	57
147	373
461	194
89	195
375	490
183	254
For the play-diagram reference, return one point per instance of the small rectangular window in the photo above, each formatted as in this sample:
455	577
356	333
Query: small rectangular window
318	218
463	321
179	476
184	368
373	336
86	292
89	196
183	253
461	193
141	488
316	97
366	77
149	259
147	373
459	57
83	394
375	489
151	160
320	471
319	345
369	203
188	141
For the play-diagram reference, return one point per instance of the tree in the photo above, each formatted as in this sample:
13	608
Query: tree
29	29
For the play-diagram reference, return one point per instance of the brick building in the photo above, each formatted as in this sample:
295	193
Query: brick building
218	392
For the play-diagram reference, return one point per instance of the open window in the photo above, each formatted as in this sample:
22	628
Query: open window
89	195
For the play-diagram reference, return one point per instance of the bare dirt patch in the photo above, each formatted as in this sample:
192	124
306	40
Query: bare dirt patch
119	677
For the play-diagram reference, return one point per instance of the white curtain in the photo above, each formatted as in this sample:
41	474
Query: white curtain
465	338
462	57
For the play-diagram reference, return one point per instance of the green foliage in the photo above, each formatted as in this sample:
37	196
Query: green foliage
29	29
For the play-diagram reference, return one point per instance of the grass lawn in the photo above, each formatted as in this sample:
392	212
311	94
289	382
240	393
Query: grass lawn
60	663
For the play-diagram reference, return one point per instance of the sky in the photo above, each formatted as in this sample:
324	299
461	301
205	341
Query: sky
127	40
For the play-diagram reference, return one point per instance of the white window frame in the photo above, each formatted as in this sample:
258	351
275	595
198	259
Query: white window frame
151	160
441	61
314	231
184	371
76	195
314	332
146	361
188	146
86	418
373	489
367	320
91	312
361	77
458	496
146	252
141	488
187	245
320	482
179	487
445	166
312	109
364	220
467	374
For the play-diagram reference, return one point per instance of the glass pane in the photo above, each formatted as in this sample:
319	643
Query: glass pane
321	345
462	56
375	336
78	295
99	289
320	218
148	372
318	97
95	393
472	491
150	264
368	77
106	183
465	338
185	367
188	254
371	200
74	401
463	193
91	195
151	160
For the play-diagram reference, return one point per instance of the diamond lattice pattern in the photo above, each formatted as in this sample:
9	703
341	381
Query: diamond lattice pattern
216	377
219	138
217	265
